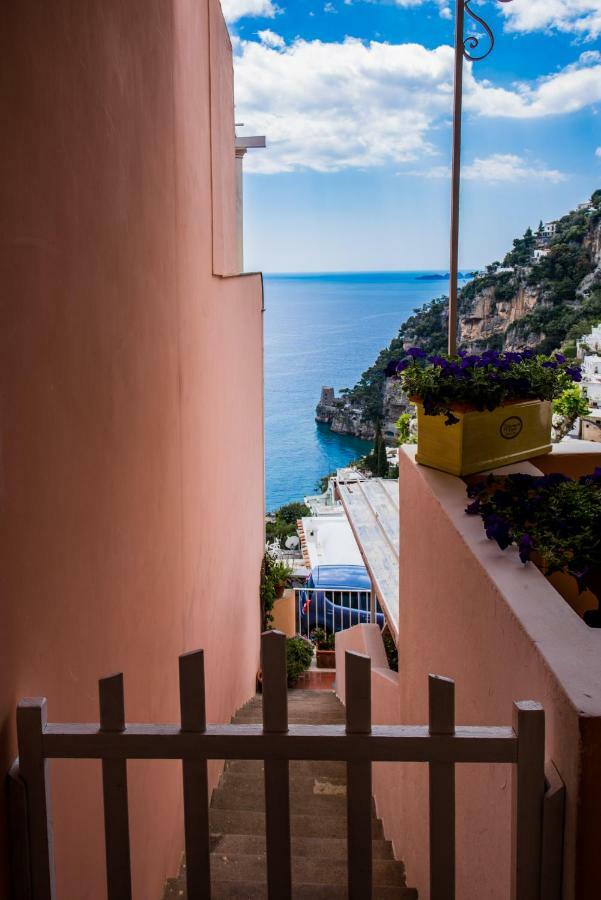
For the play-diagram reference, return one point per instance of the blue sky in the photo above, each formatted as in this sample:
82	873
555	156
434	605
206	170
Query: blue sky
354	97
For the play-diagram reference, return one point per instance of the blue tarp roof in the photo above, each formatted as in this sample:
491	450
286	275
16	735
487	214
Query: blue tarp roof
341	577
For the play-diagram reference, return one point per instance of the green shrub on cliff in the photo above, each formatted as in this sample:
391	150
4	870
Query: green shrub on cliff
559	319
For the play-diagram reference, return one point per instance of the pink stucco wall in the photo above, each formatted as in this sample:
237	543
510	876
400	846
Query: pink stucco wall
131	399
477	615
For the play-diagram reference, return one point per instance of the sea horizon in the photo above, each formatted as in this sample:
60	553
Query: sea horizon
313	274
325	329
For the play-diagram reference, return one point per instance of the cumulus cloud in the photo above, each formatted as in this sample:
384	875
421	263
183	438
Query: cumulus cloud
236	9
333	106
271	39
578	17
598	152
567	91
497	168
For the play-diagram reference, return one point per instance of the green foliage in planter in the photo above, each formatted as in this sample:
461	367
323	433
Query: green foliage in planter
392	653
323	640
481	381
273	575
554	516
299	654
403	426
569	406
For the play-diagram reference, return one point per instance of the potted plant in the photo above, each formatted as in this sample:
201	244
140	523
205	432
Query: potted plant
274	575
555	521
482	411
299	655
325	645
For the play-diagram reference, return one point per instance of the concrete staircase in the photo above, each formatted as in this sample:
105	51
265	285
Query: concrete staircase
318	822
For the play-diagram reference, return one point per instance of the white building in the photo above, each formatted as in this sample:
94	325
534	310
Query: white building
591	380
330	541
550	229
590	343
327	504
538	254
589	352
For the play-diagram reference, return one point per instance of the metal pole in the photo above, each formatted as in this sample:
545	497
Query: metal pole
467	47
456	173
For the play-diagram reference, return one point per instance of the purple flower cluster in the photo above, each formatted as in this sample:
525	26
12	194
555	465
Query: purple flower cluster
482	381
557	517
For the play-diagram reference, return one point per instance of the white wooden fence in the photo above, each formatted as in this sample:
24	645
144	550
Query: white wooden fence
441	745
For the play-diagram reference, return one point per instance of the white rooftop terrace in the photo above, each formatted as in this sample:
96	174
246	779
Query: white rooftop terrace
330	541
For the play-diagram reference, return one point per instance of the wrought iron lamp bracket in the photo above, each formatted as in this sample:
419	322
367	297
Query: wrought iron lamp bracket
471	43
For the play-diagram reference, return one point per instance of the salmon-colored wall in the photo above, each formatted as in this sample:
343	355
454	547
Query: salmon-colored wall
131	470
477	615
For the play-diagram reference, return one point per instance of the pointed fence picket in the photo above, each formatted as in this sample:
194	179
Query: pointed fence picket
441	745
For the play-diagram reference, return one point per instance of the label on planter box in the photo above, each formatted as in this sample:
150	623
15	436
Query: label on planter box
511	427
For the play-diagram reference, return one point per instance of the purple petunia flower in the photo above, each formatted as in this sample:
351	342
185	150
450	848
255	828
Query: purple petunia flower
560	357
395	367
473	509
582	578
498	530
525	547
549	364
416	353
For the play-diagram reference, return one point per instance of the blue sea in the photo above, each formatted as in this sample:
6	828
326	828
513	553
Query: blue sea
324	330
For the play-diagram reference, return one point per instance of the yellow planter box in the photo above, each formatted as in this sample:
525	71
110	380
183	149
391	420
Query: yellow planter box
484	440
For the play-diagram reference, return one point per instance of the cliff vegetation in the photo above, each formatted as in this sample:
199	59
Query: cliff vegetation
544	294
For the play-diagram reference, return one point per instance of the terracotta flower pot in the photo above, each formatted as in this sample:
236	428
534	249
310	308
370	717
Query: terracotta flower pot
567	586
484	440
279	590
326	659
585	603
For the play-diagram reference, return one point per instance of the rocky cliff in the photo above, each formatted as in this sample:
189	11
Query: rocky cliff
545	294
348	416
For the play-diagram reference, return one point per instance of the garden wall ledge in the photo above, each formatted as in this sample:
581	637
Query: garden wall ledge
570	648
471	612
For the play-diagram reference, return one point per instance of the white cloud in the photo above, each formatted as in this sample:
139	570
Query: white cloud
598	152
271	39
333	106
236	9
578	17
497	168
567	91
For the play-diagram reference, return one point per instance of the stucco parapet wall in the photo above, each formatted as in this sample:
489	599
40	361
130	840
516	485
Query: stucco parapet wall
570	649
366	639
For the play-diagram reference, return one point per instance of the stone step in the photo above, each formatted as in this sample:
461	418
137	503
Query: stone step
253	798
243	821
299	784
298	767
292	720
315	848
252	867
308	891
318	822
